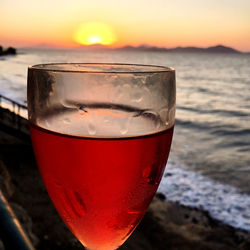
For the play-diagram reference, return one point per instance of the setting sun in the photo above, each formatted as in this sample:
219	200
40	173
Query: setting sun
94	33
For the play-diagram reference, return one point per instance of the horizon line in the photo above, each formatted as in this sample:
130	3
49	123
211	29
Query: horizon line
141	46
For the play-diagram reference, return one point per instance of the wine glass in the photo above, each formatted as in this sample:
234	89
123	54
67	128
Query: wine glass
101	135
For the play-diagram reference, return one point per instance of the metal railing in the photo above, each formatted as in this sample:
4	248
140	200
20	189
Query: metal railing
13	116
14	104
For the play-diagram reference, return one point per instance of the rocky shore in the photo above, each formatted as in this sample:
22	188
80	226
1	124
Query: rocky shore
166	225
8	51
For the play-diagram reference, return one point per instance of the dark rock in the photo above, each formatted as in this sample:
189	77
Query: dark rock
165	227
1	245
194	220
161	196
11	51
168	174
8	51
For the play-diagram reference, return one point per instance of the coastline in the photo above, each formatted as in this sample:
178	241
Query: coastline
166	225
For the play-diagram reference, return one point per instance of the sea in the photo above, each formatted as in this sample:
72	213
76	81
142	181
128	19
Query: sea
209	163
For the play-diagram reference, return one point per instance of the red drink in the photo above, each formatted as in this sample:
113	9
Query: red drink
101	186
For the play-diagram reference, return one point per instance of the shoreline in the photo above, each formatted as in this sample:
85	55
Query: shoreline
195	196
166	225
222	202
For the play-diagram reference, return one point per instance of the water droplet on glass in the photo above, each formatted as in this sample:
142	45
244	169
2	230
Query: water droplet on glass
91	129
146	174
150	175
73	203
79	204
158	123
68	104
154	117
150	114
66	121
124	125
107	119
82	112
124	129
47	123
137	97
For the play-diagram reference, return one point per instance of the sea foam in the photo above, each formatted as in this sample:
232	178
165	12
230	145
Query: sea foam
223	202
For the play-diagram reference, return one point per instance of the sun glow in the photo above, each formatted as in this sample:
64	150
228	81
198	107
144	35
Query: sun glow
94	33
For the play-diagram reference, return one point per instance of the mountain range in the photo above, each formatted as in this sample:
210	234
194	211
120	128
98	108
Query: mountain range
212	49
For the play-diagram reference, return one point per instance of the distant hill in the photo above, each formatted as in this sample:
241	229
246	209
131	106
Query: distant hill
213	49
222	49
142	48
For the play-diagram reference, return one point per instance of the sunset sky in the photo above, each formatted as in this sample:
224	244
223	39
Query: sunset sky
132	22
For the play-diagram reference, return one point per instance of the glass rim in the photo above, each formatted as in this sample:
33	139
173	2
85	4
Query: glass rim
147	68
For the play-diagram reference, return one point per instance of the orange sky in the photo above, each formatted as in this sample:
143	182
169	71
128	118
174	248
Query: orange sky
134	22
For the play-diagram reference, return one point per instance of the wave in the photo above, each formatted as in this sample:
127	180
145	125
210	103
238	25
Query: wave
220	112
225	132
204	126
215	129
223	202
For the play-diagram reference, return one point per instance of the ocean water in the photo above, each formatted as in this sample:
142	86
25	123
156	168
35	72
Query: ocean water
209	164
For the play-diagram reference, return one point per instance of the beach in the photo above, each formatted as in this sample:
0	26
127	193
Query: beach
166	225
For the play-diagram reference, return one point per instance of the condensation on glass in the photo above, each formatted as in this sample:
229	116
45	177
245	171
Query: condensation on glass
101	100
